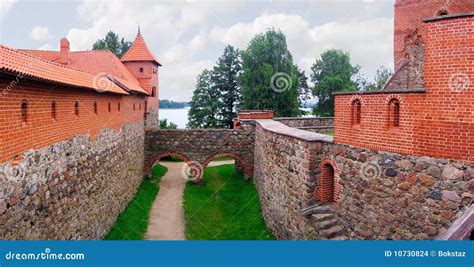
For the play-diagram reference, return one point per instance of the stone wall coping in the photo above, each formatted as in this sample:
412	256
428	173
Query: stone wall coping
302	118
398	91
280	128
189	130
453	16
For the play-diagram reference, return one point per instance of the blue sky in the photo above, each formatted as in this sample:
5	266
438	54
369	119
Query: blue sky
189	36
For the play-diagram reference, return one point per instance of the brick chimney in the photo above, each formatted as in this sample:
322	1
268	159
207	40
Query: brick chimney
64	51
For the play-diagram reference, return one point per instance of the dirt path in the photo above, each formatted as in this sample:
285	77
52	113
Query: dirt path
166	220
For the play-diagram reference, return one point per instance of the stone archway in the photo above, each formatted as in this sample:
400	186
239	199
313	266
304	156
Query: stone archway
240	164
149	163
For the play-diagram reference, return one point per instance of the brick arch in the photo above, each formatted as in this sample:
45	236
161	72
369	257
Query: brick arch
246	167
150	162
328	188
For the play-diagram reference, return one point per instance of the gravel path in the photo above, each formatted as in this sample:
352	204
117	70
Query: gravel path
166	220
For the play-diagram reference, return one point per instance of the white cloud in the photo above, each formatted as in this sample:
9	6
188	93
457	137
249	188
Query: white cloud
370	41
40	33
6	6
189	37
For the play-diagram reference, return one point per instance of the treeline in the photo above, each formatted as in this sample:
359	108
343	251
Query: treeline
264	76
172	104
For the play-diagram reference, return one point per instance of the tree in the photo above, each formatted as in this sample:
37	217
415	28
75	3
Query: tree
382	75
204	109
224	77
333	72
113	43
165	125
269	79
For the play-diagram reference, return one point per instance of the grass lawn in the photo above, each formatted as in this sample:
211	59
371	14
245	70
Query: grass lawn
132	223
330	133
225	207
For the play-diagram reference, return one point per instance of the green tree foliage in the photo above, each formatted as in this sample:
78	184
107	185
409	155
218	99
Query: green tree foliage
204	111
224	77
381	77
270	80
113	43
332	73
164	124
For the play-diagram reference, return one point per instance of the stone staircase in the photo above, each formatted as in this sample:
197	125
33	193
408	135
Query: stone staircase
326	223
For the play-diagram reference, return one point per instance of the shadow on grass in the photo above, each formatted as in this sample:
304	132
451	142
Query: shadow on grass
132	223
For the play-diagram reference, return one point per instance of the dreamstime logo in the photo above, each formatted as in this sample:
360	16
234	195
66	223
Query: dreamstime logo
101	83
459	82
280	82
370	170
192	170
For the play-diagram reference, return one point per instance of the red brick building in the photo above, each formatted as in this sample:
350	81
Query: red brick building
427	107
51	96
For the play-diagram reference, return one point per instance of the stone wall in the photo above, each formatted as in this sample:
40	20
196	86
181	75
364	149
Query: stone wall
73	189
200	146
312	124
381	195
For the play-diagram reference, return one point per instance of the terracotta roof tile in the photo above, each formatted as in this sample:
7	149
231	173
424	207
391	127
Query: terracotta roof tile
97	62
14	61
139	51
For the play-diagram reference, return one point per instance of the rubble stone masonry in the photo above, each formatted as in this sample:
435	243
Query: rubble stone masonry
378	195
73	189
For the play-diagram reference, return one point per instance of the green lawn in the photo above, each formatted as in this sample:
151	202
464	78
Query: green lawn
132	223
225	207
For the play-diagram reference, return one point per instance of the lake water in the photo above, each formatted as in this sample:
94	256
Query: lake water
178	116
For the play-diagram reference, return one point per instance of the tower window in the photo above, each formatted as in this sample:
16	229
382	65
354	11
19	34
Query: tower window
153	91
110	108
24	111
118	106
53	109
394	113
140	106
356	112
133	106
76	108
141	69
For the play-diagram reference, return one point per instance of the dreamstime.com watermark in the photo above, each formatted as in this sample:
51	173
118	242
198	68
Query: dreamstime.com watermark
370	170
280	82
102	83
45	255
459	82
192	170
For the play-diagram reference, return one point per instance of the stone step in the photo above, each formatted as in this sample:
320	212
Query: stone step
319	217
328	223
340	237
333	231
316	209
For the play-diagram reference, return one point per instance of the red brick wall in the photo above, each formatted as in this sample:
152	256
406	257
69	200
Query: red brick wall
42	130
147	79
409	15
439	122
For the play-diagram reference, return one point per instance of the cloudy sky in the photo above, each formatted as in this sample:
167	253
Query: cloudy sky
189	36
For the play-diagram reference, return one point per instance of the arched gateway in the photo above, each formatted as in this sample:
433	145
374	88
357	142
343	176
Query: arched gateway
198	147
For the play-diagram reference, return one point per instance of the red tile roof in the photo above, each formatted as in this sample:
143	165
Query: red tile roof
95	62
17	62
139	51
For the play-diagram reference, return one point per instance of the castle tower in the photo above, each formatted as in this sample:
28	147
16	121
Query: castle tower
142	63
